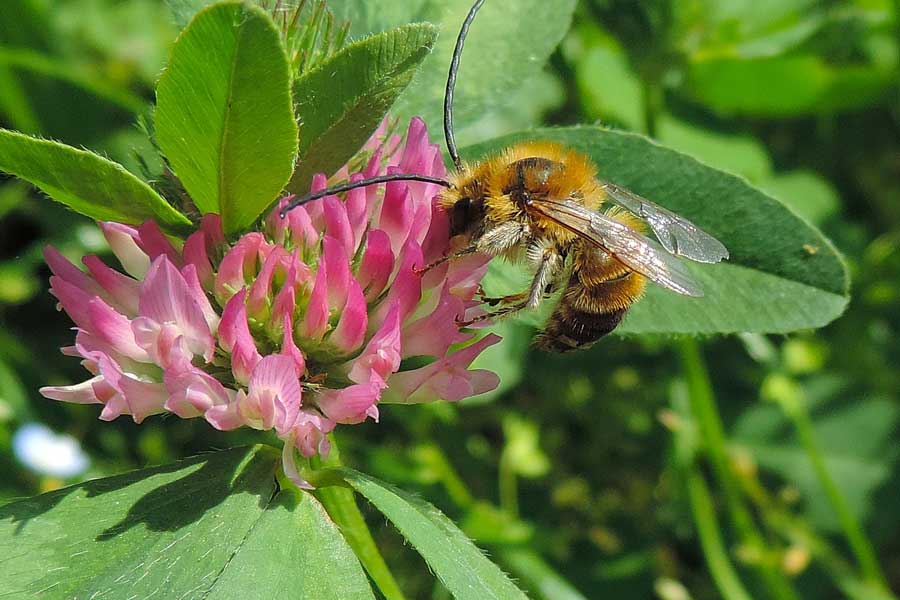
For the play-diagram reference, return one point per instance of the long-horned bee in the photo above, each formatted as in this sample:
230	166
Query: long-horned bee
543	202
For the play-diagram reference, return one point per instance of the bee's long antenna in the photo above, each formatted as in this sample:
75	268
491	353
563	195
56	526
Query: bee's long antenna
346	187
451	84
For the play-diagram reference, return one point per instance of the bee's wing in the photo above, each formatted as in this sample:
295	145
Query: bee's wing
631	248
676	234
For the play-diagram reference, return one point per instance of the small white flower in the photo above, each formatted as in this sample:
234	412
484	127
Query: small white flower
47	453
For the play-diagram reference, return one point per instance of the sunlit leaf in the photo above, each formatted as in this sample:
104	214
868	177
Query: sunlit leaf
213	526
373	16
341	102
783	274
457	562
810	195
86	182
224	117
508	44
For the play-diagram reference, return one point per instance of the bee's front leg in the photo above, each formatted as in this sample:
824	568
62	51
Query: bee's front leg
493	241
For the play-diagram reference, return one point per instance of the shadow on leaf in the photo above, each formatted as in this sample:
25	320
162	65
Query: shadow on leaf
172	504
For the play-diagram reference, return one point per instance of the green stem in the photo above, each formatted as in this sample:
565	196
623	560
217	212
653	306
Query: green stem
342	508
705	411
704	513
859	544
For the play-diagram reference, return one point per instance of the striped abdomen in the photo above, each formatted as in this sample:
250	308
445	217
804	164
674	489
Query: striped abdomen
599	292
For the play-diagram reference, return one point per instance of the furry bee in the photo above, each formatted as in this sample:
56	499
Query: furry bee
543	202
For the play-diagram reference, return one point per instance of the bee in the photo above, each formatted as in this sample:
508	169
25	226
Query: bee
544	203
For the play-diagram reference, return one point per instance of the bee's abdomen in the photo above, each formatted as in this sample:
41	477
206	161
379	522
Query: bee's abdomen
595	300
572	329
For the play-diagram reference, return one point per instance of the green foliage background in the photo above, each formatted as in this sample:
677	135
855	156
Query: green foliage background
617	472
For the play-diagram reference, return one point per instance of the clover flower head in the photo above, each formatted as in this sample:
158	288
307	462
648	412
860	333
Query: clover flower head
297	327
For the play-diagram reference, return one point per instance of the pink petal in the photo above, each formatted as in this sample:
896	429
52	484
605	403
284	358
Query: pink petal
121	290
416	158
286	300
406	290
226	417
73	300
195	254
89	345
396	214
61	267
141	398
357	213
350	332
191	278
115	329
445	379
381	356
260	291
289	463
337	223
350	404
316	208
433	334
122	240
274	393
337	266
211	226
192	392
464	275
235	337
238	266
377	264
155	243
289	348
80	393
373	167
315	321
167	299
302	229
164	343
436	243
276	227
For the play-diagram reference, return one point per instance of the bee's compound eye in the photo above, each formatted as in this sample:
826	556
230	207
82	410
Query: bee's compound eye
460	215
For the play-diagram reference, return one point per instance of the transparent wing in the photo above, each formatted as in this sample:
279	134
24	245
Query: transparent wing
631	248
676	234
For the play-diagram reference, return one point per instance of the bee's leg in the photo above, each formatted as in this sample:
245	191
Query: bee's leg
470	249
493	242
550	263
500	238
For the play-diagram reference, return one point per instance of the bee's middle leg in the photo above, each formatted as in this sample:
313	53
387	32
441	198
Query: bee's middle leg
550	263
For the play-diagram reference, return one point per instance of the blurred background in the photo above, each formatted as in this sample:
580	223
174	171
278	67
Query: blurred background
579	474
